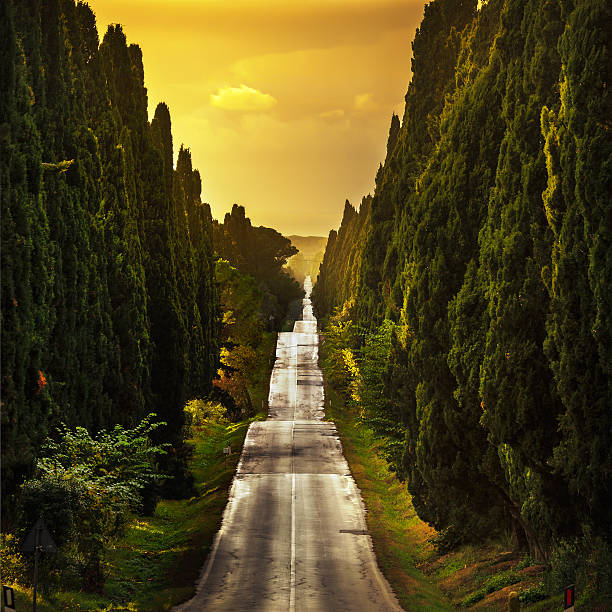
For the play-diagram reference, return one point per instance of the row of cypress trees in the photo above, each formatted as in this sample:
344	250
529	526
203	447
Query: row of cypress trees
109	307
488	250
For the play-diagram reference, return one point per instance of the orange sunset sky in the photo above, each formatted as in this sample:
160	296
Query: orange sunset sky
285	105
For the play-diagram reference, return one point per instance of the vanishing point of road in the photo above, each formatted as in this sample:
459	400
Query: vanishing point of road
294	535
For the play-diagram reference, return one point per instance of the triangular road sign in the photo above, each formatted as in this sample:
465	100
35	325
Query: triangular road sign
45	541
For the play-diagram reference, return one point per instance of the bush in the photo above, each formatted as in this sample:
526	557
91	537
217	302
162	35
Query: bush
585	562
499	581
53	499
200	412
533	594
564	562
85	490
490	585
12	562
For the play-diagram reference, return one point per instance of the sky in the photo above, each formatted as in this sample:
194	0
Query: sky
284	104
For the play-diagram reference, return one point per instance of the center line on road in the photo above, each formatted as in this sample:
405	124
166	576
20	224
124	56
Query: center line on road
292	560
292	573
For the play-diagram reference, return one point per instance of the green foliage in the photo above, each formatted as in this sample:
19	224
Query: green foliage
262	253
583	561
564	566
12	563
241	333
490	585
85	489
120	460
339	271
339	337
377	410
578	150
203	412
533	594
241	302
99	232
487	245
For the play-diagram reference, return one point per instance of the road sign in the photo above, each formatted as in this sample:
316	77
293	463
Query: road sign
39	536
38	540
227	450
8	598
568	598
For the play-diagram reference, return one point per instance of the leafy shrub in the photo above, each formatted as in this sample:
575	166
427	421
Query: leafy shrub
12	562
490	585
200	412
499	581
526	561
533	594
564	563
585	562
85	489
233	386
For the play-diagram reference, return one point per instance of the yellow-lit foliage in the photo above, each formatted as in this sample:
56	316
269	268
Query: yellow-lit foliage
201	412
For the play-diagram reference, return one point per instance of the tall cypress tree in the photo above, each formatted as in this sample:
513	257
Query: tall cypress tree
579	212
498	366
27	259
93	323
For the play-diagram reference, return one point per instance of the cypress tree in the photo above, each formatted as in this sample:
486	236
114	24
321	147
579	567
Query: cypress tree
498	362
92	320
577	203
27	261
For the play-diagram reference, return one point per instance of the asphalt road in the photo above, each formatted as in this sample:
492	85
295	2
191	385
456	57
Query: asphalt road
293	535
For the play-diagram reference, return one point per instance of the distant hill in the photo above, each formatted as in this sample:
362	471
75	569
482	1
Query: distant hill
309	245
309	258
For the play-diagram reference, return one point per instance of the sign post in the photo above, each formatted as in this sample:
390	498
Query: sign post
8	598
568	598
38	540
227	451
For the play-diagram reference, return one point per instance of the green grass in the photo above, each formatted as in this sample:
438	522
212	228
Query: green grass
155	565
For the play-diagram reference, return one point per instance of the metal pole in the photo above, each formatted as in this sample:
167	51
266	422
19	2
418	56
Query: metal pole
36	549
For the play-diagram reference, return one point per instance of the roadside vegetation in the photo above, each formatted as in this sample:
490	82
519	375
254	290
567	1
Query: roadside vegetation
422	576
426	571
468	298
155	561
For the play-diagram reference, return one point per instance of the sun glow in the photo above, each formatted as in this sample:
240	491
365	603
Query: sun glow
285	106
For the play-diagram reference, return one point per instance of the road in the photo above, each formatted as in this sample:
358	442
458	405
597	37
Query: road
293	535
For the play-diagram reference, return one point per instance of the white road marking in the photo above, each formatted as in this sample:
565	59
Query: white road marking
292	559
292	573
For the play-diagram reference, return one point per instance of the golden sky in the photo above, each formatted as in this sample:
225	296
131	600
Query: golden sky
284	104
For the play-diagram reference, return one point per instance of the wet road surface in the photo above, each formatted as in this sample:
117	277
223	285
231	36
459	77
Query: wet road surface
293	535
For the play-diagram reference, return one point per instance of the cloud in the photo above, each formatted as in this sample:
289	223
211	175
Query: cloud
292	158
332	115
365	102
243	98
